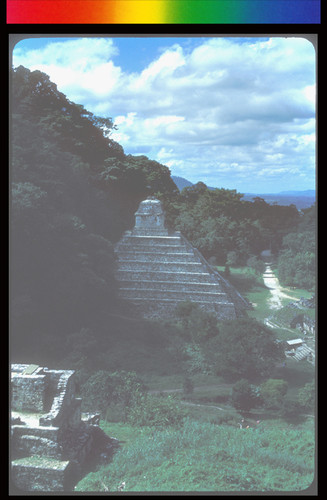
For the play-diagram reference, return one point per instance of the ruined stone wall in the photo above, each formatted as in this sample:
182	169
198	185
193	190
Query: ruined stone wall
49	451
65	408
28	392
40	441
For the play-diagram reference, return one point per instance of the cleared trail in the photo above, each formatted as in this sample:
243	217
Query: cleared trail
276	290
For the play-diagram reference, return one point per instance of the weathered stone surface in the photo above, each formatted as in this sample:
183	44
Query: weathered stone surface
157	269
150	218
28	391
50	450
36	445
42	474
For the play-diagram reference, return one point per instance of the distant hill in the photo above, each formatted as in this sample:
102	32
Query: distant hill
307	192
301	199
180	182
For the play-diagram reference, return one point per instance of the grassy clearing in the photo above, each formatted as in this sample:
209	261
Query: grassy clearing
208	457
250	284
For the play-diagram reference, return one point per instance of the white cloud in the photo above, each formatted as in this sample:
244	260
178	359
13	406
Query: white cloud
226	108
81	68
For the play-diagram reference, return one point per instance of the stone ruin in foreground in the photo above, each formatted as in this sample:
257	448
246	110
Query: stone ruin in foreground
51	445
157	269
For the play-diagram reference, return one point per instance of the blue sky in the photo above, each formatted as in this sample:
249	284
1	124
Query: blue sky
233	112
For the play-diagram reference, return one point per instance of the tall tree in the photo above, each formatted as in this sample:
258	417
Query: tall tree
74	192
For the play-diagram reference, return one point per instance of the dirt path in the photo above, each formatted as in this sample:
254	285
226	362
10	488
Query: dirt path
276	290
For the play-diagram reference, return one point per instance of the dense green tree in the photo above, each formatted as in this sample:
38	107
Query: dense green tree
257	264
188	385
198	325
156	411
307	396
273	392
119	389
221	224
75	129
243	397
245	348
297	258
74	192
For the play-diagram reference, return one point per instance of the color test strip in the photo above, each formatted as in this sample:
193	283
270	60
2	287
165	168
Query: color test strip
163	11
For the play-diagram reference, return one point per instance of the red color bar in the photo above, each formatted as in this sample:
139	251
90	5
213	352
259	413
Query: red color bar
60	11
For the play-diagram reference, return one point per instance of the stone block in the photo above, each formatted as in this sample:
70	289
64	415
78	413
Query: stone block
183	286
36	445
164	248
28	392
178	295
156	256
42	474
136	265
153	240
138	275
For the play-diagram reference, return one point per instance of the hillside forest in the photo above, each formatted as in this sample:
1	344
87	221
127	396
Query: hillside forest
74	192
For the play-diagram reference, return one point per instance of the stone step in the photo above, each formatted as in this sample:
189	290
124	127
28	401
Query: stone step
125	247
43	474
302	352
152	294
156	256
137	265
182	286
134	240
176	301
152	308
146	275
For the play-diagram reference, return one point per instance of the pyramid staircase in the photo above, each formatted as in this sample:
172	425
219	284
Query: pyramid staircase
157	270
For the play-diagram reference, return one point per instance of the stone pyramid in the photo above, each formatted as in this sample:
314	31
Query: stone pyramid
157	269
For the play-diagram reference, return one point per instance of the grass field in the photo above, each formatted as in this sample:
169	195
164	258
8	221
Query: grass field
209	451
207	457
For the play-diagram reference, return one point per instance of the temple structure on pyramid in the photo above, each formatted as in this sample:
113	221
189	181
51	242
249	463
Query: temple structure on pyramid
157	269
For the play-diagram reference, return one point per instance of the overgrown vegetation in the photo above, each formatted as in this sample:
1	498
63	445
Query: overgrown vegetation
74	192
297	258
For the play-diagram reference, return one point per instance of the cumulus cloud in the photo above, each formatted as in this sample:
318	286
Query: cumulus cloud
233	112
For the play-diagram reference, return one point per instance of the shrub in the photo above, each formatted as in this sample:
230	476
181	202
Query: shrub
244	396
257	264
157	411
188	386
227	418
273	392
290	410
119	389
306	396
